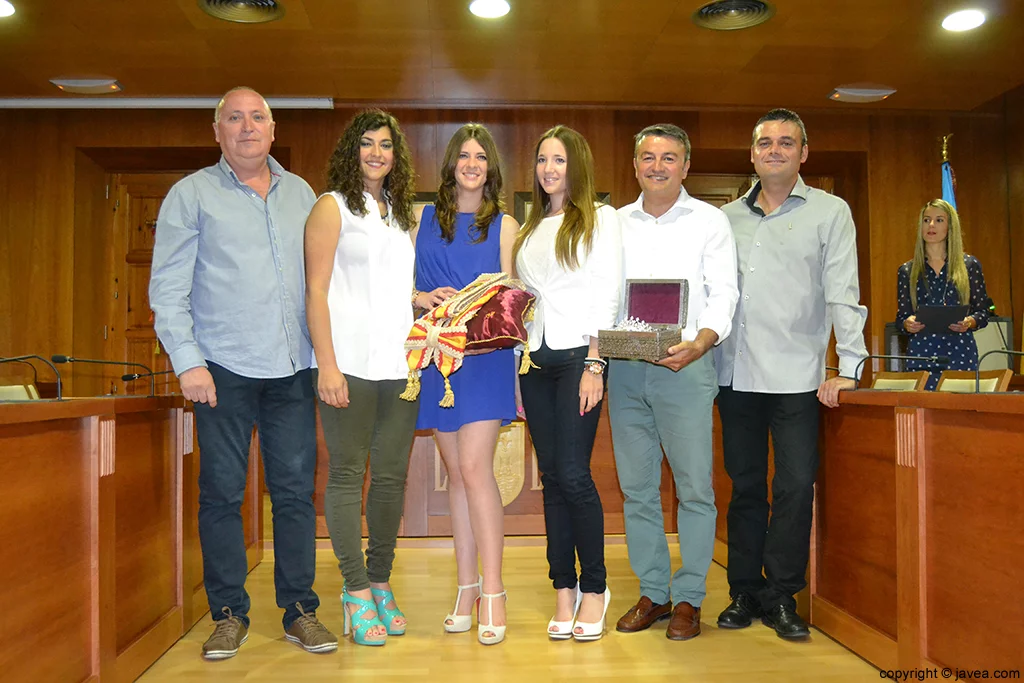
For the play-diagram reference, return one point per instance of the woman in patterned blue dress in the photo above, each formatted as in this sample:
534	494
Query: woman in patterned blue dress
941	274
464	235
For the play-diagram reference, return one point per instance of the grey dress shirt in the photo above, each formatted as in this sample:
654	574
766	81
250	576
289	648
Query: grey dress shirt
797	281
228	280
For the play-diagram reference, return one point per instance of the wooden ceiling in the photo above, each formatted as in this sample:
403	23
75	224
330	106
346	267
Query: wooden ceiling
624	53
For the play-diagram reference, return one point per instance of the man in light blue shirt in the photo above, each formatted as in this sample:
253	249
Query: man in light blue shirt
797	273
228	296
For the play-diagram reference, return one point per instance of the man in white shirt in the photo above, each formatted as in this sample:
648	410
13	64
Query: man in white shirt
797	256
669	235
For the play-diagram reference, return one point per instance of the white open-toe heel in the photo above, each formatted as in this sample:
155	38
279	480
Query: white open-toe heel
562	630
482	628
462	622
593	631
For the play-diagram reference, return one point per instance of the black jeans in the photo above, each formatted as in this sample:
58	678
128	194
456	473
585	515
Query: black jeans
782	546
284	410
573	516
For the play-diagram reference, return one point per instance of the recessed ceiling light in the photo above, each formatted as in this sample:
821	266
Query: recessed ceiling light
489	9
6	8
964	20
732	15
87	86
860	93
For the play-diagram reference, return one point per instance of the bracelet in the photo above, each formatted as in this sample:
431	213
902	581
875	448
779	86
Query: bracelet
415	293
588	360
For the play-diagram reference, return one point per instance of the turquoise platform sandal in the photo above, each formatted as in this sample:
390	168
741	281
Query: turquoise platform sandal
387	616
360	622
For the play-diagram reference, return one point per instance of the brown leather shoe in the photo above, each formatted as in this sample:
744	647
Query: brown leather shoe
641	615
685	622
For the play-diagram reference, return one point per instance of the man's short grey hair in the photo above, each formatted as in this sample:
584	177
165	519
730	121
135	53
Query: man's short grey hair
784	116
220	105
663	130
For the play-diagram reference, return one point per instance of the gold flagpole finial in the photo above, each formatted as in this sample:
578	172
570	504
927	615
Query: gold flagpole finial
945	147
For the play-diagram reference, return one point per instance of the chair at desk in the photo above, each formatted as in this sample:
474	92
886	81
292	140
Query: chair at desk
963	381
18	392
901	381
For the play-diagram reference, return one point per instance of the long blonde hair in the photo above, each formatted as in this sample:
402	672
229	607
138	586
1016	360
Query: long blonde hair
956	270
580	210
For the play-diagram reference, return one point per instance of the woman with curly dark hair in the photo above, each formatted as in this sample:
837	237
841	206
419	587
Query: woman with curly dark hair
359	276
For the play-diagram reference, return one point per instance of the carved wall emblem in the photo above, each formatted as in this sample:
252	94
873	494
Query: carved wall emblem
509	463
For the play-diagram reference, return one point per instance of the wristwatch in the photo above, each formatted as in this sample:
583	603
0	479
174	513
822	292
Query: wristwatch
595	366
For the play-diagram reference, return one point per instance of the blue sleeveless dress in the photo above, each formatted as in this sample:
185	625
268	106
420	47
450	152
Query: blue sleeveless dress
484	386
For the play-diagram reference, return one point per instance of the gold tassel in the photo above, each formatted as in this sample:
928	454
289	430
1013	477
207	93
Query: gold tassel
412	387
526	364
448	400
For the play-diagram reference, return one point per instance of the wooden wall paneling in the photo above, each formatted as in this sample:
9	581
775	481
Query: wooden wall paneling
148	555
858	552
911	541
975	150
902	175
1013	126
48	533
37	259
973	516
104	459
91	306
252	505
194	594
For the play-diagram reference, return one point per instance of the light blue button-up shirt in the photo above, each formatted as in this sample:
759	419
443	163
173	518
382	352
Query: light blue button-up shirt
228	280
798	282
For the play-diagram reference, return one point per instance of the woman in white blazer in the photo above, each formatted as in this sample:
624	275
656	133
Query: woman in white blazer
569	255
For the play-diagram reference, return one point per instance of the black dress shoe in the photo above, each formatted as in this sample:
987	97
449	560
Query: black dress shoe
740	612
786	622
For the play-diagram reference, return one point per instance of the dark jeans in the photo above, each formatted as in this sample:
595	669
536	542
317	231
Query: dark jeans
573	517
284	410
781	546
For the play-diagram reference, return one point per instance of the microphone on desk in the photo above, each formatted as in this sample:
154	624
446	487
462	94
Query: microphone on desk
938	360
977	371
61	358
137	375
22	359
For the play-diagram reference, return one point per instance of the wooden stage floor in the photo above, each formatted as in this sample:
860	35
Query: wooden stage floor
424	582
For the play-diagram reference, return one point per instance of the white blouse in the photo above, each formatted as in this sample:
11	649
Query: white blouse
372	280
573	305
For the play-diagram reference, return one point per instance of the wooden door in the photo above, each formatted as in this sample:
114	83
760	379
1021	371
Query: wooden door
139	196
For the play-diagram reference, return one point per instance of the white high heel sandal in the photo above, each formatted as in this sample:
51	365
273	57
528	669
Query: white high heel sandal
482	628
462	622
563	629
596	630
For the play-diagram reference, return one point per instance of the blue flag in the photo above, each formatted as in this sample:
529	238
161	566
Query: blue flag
948	184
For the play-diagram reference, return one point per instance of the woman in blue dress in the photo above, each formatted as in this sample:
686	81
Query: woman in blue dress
467	233
941	274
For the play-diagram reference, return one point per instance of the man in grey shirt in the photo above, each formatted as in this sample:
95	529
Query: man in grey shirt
228	296
797	259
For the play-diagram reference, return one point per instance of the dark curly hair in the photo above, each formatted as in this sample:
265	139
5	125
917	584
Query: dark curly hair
447	196
345	176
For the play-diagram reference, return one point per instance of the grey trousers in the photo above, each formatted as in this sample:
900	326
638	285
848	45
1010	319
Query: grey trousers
650	406
378	424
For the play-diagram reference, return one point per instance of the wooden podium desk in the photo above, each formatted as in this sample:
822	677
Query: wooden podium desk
918	553
101	569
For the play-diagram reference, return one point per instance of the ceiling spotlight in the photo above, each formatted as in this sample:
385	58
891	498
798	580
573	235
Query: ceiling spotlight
489	9
87	86
6	8
860	93
964	20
